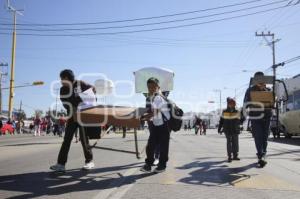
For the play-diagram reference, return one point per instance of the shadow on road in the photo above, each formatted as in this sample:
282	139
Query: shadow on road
291	141
214	173
27	144
48	183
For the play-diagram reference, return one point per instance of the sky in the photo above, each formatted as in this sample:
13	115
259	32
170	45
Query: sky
204	57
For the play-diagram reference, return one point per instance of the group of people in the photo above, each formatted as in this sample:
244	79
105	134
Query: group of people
47	126
199	125
158	116
259	116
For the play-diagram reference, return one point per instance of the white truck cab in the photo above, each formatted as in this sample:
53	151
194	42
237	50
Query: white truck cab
289	111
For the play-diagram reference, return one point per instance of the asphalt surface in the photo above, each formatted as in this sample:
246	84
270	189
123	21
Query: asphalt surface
197	169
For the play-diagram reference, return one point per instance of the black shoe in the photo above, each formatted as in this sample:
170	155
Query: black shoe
236	158
229	159
160	169
262	163
146	168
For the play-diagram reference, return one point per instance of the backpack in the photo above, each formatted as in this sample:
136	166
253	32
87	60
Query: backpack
175	122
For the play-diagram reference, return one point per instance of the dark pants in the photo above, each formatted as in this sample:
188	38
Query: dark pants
159	136
70	130
260	132
157	152
232	144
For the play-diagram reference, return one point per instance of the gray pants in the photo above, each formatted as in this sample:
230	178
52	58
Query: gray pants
232	144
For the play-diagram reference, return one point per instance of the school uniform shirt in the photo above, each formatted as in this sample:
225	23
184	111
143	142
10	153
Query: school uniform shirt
158	102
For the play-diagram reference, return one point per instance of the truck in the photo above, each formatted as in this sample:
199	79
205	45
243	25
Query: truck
289	110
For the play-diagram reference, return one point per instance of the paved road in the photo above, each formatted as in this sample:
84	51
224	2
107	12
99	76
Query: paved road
197	169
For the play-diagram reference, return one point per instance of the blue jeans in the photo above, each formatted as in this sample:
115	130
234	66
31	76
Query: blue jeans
260	132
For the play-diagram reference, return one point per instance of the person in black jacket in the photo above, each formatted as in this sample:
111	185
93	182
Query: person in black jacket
69	95
260	120
230	123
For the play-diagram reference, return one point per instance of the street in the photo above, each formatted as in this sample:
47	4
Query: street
197	168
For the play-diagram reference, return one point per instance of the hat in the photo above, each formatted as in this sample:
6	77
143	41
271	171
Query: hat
231	101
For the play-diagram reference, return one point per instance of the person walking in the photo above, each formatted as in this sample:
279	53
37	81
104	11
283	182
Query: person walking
260	119
198	125
230	122
69	95
37	126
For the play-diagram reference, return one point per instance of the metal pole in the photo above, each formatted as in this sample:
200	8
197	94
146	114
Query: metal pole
1	76
273	53
56	103
138	155
274	86
12	71
56	107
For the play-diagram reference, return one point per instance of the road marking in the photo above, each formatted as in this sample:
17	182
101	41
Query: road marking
168	178
117	192
264	181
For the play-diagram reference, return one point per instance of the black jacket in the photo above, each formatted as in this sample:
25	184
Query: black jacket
71	95
267	112
230	121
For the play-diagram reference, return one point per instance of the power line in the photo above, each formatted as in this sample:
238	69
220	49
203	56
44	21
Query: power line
149	24
139	19
292	60
152	29
284	62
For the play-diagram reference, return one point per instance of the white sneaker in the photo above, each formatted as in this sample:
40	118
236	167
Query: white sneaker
58	168
156	162
88	166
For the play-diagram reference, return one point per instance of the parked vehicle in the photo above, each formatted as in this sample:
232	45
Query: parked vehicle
289	111
7	128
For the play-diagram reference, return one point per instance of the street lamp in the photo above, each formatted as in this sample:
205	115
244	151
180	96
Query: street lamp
248	71
37	83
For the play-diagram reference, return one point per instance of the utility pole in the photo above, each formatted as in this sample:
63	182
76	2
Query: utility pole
13	58
1	75
274	67
272	45
56	102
